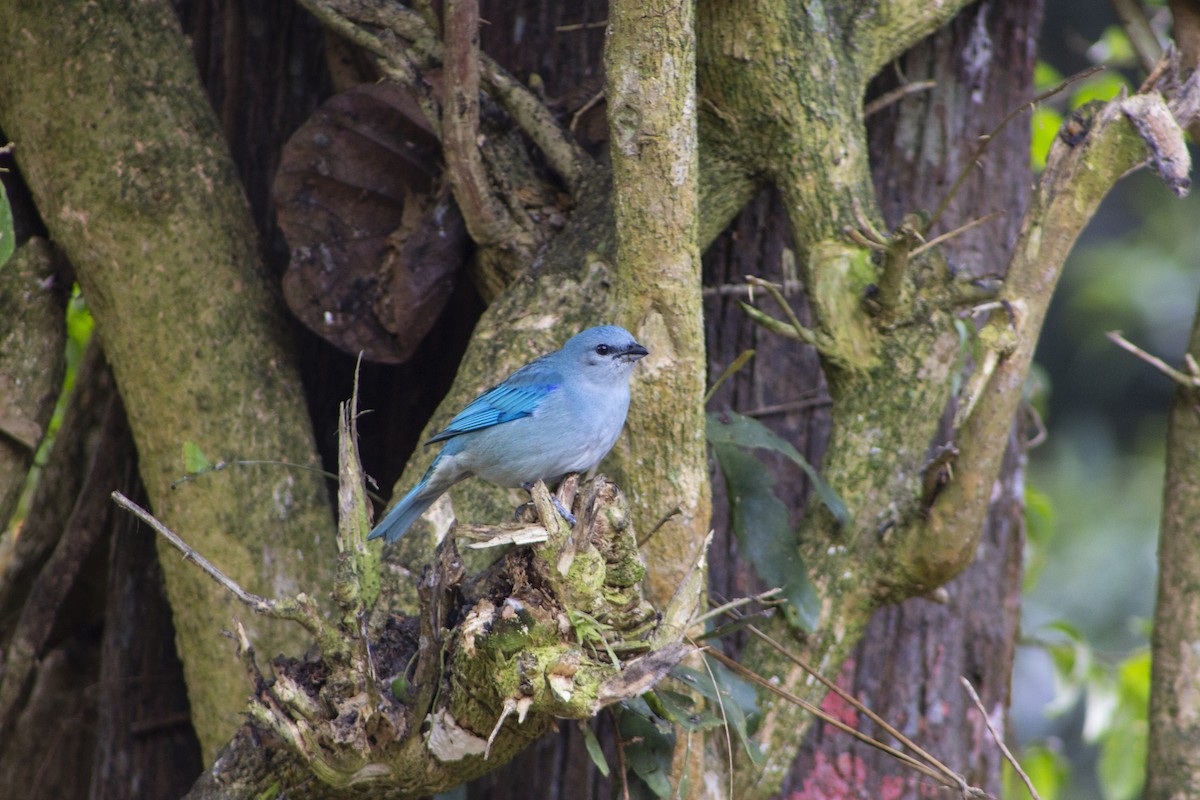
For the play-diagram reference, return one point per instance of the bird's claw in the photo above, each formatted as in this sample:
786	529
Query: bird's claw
563	511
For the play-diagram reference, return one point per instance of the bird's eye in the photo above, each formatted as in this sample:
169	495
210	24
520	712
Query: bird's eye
603	349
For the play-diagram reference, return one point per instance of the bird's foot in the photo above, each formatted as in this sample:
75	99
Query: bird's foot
562	510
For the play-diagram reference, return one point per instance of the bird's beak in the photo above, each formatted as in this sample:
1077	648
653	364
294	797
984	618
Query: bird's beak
635	352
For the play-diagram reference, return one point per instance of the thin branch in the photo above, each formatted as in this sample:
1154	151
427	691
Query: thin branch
801	331
896	95
1137	29
956	232
790	287
987	720
987	139
955	781
721	705
1191	381
486	218
260	604
299	611
819	401
852	700
732	605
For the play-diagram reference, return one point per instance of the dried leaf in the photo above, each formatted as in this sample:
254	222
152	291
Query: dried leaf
376	241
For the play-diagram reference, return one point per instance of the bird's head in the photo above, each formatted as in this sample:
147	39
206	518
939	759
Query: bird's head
605	350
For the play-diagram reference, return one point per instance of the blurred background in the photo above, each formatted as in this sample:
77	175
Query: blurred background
1081	681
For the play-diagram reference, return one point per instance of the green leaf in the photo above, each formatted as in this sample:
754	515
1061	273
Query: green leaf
193	459
731	428
760	521
1047	769
732	369
1122	764
1133	680
594	750
682	710
1103	87
1045	76
1045	124
8	236
738	701
650	755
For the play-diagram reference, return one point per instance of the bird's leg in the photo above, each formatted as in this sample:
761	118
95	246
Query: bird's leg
562	510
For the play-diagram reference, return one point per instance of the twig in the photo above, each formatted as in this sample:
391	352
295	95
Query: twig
735	604
896	95
674	512
581	26
300	610
486	218
793	405
223	465
791	287
1182	378
260	604
801	332
956	232
1137	29
974	159
583	109
510	705
987	720
947	780
852	700
721	704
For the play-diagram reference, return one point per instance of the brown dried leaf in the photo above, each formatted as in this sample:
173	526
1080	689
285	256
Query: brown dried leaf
376	242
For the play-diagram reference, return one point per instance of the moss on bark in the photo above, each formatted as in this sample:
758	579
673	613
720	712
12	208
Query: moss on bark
126	162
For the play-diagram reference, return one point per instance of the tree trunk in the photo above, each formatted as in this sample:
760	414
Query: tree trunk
124	157
1173	763
909	662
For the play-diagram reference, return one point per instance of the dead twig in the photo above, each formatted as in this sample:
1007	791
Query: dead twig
987	720
987	139
301	610
896	95
1191	381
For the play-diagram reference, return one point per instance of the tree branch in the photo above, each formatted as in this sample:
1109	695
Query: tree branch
1122	136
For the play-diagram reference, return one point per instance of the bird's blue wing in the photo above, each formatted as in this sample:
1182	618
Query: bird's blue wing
517	397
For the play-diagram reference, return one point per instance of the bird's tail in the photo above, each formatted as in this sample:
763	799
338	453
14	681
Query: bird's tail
407	511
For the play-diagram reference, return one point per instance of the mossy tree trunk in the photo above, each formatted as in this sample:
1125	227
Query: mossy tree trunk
131	176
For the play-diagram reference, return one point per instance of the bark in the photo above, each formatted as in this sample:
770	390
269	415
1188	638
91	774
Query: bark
32	357
650	64
891	360
61	633
125	160
908	665
1173	764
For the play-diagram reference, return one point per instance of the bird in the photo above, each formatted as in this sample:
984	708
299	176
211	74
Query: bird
558	414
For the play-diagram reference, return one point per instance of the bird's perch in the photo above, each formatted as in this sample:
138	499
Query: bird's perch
428	701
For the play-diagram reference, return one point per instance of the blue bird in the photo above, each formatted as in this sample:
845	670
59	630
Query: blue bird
558	414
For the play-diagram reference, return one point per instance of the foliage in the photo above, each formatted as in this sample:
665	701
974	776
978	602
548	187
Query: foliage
79	324
760	519
8	238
